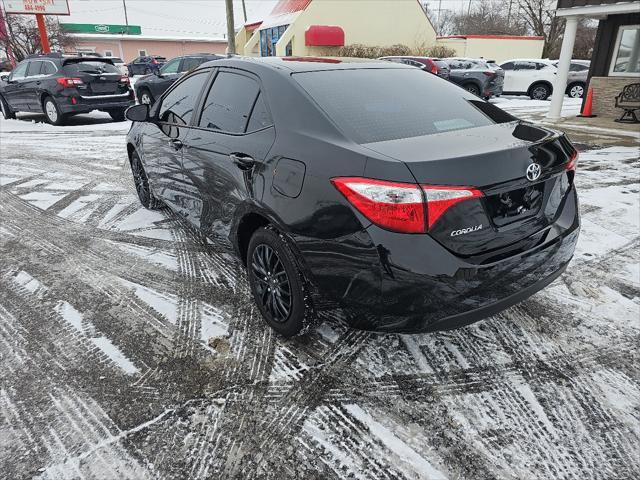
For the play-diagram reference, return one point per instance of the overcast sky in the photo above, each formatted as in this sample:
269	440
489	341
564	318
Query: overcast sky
189	18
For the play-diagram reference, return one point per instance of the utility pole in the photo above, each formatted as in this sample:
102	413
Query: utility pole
231	30
126	18
244	11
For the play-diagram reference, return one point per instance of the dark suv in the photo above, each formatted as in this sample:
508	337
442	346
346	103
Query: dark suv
60	86
152	86
432	65
477	76
145	65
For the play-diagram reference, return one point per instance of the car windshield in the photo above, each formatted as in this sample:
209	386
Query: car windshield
91	67
375	105
116	60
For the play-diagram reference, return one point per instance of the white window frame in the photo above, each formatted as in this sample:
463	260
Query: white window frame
108	53
612	64
142	53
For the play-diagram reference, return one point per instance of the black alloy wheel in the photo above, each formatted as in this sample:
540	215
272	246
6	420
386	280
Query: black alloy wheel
540	91
472	88
272	283
141	182
277	284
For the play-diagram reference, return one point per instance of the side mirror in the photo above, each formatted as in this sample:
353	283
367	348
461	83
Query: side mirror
138	113
4	78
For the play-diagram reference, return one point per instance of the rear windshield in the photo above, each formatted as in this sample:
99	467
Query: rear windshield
91	67
374	105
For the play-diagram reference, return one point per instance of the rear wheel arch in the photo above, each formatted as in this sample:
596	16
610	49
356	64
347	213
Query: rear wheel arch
472	83
247	226
540	82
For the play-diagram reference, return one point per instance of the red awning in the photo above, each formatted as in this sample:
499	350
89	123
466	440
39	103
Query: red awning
324	36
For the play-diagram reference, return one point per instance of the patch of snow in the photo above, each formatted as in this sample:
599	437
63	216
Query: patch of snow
115	354
26	281
42	200
72	316
164	304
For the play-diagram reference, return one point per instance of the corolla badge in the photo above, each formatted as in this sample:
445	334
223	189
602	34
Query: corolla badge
533	172
464	231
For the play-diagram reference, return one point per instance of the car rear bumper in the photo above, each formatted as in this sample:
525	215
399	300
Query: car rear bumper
421	286
85	104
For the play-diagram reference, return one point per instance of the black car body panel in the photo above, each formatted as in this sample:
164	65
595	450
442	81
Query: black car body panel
156	84
279	172
100	85
145	65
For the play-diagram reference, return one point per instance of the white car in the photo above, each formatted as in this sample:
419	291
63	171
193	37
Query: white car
119	63
532	77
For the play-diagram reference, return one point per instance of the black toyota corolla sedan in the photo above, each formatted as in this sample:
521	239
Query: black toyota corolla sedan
399	198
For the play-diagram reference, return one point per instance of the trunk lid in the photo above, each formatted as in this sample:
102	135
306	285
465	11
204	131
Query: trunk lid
98	76
493	159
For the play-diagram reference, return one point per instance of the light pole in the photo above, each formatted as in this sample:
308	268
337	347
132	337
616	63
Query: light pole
231	30
126	17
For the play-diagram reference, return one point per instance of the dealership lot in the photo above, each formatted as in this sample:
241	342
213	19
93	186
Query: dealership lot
130	347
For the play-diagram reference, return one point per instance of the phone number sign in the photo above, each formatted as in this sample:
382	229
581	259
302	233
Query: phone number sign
45	7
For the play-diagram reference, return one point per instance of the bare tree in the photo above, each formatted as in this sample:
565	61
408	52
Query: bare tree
24	37
488	17
540	18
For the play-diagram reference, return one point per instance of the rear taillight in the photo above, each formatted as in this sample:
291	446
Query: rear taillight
401	207
125	79
394	206
573	161
489	73
442	198
154	61
434	69
67	82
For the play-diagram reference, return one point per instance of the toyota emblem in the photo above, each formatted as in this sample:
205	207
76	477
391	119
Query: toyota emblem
533	172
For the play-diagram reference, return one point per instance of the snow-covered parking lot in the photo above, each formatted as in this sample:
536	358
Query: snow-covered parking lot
129	346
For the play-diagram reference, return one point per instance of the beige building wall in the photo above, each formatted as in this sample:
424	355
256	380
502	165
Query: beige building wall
368	22
498	49
128	49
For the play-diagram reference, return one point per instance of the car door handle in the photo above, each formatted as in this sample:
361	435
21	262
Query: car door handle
176	144
244	162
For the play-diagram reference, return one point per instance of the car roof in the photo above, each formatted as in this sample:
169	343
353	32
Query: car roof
304	64
538	60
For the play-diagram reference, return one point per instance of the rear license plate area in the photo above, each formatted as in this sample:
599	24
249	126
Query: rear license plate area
104	88
515	205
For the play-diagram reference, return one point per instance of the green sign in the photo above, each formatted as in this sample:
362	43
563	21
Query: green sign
101	28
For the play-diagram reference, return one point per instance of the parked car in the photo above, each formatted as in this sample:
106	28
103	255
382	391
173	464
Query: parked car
150	87
60	86
412	208
120	65
145	65
532	77
577	78
476	76
432	65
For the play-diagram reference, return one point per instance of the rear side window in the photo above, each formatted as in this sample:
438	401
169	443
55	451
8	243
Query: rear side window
34	68
190	63
48	68
260	117
507	66
177	107
363	106
95	68
229	103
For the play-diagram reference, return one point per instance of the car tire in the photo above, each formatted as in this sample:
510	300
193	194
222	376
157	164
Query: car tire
539	91
472	88
277	284
117	115
141	182
52	113
7	113
145	97
576	90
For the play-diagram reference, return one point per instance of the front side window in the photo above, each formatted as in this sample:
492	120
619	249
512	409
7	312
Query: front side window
525	66
366	110
507	66
171	67
20	71
626	54
178	106
229	103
